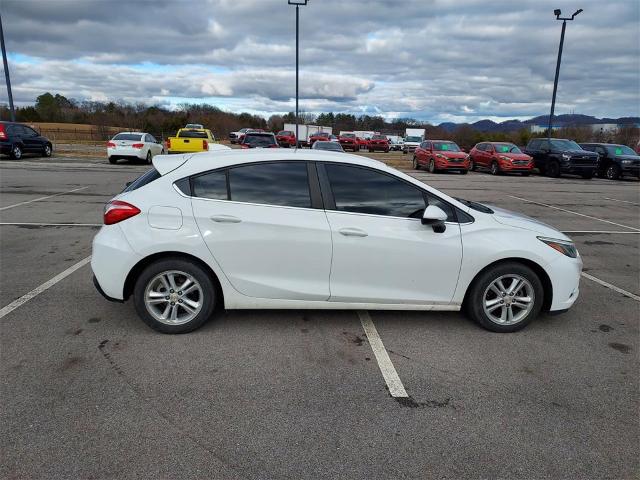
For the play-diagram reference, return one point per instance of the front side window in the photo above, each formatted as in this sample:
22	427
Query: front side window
361	190
284	184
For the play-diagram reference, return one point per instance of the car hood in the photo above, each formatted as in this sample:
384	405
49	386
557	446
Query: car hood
412	143
518	220
581	153
516	156
452	154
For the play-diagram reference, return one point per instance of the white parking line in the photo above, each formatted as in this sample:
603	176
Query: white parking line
41	198
46	285
53	224
396	389
612	287
623	201
612	232
574	213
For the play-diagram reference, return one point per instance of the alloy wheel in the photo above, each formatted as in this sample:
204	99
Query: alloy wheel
173	297
508	299
17	152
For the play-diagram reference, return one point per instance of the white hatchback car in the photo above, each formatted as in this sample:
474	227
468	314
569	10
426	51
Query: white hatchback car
133	146
265	229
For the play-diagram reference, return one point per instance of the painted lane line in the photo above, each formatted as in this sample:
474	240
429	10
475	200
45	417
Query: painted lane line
612	287
54	224
46	285
612	232
574	213
623	201
41	198
396	389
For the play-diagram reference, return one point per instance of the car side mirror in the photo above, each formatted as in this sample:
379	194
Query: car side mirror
435	217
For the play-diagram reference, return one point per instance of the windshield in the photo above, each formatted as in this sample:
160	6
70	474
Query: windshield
413	139
320	134
621	150
507	148
445	147
128	136
565	145
475	205
379	137
333	146
349	135
192	134
259	140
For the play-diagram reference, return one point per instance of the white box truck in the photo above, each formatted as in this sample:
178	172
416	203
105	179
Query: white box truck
412	140
305	131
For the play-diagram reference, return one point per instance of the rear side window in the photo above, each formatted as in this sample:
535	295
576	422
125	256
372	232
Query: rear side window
284	184
361	190
144	179
211	185
128	136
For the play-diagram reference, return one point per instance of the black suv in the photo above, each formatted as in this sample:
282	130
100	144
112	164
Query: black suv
615	160
17	139
555	156
259	140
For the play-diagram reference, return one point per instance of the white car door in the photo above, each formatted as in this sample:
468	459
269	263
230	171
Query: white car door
382	253
263	231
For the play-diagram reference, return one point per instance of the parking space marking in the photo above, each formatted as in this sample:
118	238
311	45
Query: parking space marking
42	198
613	232
574	213
396	389
623	201
612	287
46	285
52	224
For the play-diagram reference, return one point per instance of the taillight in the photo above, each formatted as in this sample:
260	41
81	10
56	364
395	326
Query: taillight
168	143
3	134
274	146
244	145
138	145
109	145
205	145
117	211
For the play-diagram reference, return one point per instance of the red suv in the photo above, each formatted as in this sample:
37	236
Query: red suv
286	138
322	136
439	155
379	142
500	157
349	142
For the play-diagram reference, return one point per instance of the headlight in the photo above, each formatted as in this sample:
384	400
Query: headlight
440	155
565	247
505	158
566	157
626	162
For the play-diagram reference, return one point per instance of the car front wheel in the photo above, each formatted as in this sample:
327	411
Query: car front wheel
613	172
46	151
505	298
174	296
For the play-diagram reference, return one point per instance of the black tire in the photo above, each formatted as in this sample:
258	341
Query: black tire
113	160
16	152
432	166
47	150
149	158
553	169
495	168
404	152
475	296
525	174
416	165
613	172
209	294
472	165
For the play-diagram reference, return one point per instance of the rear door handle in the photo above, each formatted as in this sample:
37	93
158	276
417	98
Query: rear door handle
352	232
225	219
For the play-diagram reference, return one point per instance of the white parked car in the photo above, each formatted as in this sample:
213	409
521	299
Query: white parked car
133	146
265	229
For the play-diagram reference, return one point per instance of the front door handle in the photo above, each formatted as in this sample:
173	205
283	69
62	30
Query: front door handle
352	232
225	219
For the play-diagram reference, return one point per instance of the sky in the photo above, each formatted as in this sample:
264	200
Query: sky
432	60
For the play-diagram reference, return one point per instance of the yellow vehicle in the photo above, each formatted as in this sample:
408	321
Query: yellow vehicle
190	140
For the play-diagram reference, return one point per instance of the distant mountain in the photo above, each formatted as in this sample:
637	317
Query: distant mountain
558	120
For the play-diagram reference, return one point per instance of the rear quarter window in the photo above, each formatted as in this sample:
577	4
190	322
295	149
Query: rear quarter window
144	179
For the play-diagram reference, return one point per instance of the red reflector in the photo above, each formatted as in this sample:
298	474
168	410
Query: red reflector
205	145
3	134
117	211
138	145
111	145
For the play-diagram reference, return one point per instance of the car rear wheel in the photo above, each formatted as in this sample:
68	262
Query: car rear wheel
505	298
174	296
47	151
16	152
613	172
416	165
113	160
149	157
553	170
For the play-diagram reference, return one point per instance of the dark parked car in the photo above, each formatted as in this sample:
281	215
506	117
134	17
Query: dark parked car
555	156
615	160
17	139
259	140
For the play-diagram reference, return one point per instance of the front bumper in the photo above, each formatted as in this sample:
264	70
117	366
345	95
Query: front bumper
633	170
565	281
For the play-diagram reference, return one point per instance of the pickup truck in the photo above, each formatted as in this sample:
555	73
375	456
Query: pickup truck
555	156
190	140
379	142
615	160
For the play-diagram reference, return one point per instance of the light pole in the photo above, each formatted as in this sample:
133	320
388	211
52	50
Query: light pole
557	13
297	3
6	73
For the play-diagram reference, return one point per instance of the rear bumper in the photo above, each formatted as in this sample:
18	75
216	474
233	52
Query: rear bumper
5	148
101	291
127	153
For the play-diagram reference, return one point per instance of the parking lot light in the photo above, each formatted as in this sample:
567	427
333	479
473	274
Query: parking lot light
557	12
297	3
6	73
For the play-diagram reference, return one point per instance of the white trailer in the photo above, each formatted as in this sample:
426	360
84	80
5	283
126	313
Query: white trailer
306	131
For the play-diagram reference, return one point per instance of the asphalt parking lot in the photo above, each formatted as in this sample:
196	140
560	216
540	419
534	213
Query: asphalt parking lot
88	391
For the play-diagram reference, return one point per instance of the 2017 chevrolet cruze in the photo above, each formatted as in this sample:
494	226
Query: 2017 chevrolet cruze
264	229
